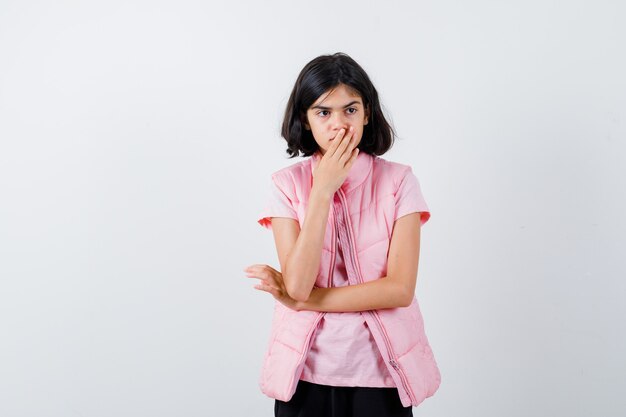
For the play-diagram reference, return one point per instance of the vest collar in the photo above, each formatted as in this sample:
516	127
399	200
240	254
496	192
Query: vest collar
358	172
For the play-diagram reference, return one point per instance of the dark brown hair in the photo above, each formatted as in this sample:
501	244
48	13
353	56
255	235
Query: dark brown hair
319	76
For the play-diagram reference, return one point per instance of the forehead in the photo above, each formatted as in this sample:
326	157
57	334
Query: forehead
338	95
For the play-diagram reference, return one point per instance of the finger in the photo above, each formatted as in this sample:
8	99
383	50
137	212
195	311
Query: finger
265	283
251	267
346	140
263	273
258	275
267	288
353	157
259	267
262	287
336	142
349	151
267	279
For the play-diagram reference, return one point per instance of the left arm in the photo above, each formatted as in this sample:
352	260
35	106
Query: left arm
397	289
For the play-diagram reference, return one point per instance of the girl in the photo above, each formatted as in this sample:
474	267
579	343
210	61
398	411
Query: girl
347	335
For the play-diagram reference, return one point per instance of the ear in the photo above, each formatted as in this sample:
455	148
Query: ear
367	115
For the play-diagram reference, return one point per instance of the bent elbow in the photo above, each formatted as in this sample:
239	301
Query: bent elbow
298	294
406	297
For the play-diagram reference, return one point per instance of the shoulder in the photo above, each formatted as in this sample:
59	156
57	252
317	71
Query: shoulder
291	176
392	171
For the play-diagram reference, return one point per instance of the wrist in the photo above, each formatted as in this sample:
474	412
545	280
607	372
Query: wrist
320	194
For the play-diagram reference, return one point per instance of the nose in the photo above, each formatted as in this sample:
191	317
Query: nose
338	121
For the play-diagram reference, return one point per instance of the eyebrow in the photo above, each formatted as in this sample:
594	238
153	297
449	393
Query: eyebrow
328	108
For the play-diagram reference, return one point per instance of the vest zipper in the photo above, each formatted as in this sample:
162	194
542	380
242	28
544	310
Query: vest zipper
333	241
392	360
352	256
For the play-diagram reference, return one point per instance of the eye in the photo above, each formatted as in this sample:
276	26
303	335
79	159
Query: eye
322	113
351	110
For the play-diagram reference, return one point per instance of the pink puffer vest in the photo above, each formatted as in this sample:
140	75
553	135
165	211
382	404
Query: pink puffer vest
374	195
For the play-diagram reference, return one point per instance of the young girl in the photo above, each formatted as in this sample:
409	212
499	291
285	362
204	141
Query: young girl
347	335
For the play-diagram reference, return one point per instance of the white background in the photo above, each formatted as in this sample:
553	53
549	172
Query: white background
137	141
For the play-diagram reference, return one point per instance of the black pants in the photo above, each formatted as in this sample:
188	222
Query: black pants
314	400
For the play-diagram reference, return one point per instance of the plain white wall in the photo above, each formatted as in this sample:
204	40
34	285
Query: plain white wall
137	141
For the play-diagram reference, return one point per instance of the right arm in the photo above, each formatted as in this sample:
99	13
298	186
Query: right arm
300	251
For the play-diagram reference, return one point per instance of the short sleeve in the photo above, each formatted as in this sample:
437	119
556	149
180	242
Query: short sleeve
409	198
278	204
